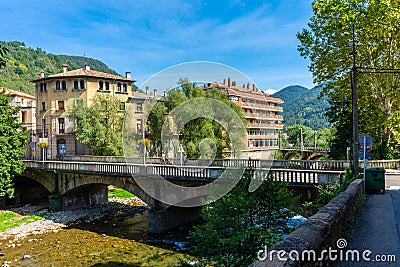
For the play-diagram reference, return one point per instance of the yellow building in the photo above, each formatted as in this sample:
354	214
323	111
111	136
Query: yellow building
55	93
26	115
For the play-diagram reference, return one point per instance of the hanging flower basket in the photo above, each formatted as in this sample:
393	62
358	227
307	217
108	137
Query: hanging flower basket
43	144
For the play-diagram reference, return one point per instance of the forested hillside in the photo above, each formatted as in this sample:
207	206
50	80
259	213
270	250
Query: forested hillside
24	64
303	107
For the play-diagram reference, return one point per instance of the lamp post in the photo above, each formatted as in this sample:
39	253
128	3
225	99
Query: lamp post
43	127
144	145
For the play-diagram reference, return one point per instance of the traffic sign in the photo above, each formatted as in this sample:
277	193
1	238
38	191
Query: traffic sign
367	139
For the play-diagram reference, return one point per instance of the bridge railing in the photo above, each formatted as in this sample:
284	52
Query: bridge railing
293	176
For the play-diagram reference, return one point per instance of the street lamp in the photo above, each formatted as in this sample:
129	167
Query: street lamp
43	127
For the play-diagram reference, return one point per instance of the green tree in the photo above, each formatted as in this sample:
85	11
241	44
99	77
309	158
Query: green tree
13	139
327	44
99	125
194	132
239	224
3	52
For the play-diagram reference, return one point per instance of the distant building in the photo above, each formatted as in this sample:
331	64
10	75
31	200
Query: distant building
262	112
55	93
137	112
27	115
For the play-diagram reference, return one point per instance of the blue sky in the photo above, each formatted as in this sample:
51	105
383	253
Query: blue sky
257	38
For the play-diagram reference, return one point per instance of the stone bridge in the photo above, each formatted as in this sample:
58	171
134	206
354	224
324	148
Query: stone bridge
71	185
307	153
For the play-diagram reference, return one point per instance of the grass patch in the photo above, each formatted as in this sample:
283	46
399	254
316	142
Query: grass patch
118	192
10	219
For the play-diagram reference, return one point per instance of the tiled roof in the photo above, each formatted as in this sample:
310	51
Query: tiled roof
14	92
83	72
240	91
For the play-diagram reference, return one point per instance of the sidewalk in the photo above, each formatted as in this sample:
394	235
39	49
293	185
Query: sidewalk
376	229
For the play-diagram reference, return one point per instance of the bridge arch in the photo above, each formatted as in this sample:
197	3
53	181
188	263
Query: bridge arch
28	190
317	156
292	155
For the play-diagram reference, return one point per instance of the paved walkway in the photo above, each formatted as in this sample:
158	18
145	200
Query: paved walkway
376	229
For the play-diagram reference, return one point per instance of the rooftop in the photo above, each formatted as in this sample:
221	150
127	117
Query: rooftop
16	93
84	72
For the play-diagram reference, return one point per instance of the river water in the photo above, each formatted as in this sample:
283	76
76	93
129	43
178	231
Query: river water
118	239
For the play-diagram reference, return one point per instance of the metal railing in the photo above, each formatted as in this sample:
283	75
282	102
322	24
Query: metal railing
189	173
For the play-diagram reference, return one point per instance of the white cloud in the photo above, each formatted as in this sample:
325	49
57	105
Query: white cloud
270	91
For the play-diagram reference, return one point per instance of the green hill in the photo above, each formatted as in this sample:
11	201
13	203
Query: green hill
24	64
303	106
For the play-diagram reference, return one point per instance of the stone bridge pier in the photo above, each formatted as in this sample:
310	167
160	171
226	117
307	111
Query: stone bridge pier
69	190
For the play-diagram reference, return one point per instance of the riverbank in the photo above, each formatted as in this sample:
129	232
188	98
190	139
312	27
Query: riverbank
52	222
114	234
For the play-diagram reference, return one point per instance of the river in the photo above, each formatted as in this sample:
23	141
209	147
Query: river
118	239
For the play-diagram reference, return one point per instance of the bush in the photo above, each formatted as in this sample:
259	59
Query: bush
239	224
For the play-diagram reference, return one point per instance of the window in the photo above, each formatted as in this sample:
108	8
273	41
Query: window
124	88
76	85
43	105
100	86
44	126
139	126
58	85
60	104
61	125
82	83
107	86
121	105
43	87
118	87
64	85
139	107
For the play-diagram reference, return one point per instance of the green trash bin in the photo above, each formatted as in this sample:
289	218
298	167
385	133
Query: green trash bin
375	180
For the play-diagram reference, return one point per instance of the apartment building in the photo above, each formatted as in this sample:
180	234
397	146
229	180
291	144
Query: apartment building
55	93
26	115
262	112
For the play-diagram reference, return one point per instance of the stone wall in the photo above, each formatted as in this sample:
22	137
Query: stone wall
320	232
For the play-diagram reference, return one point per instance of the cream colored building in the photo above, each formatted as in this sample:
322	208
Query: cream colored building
56	93
26	115
263	113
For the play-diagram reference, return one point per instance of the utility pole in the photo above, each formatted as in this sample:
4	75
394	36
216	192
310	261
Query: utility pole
354	105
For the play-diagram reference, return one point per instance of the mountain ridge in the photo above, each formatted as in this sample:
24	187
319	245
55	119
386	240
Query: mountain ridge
303	106
24	64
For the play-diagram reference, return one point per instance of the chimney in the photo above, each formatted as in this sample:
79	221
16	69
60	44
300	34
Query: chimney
87	67
248	86
254	87
128	75
41	73
244	86
155	92
64	68
224	81
229	81
234	83
147	89
165	93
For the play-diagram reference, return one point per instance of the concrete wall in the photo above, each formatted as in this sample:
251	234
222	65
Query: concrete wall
320	232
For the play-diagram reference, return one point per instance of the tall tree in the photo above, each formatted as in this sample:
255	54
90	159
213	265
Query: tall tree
13	139
3	52
327	43
197	134
99	125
